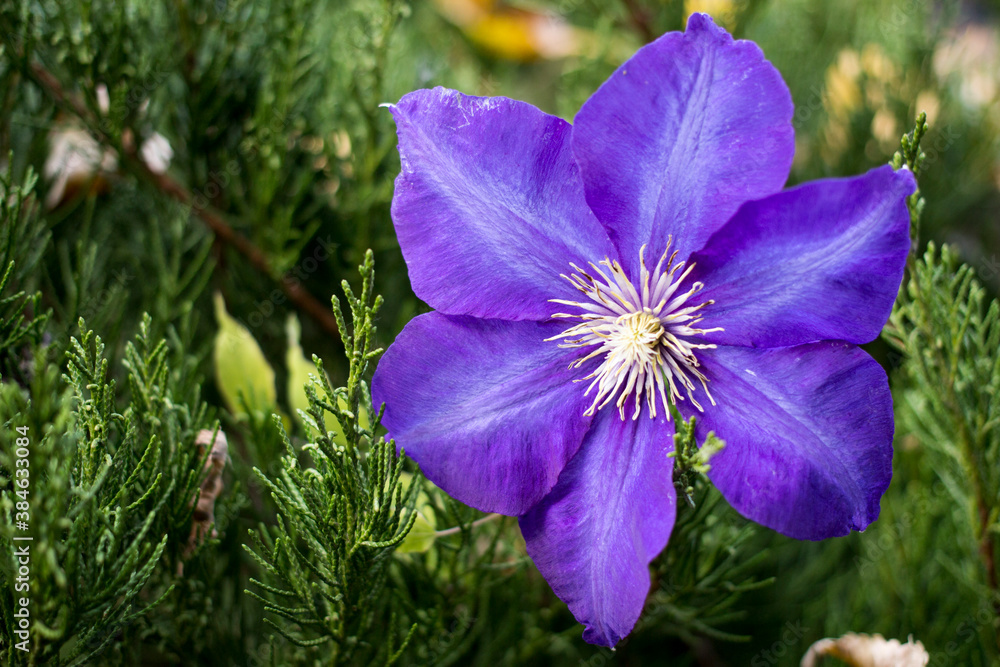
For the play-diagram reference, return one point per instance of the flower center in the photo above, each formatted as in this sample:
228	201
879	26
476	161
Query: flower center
642	332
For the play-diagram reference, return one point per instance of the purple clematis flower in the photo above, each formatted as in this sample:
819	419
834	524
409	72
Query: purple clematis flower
584	277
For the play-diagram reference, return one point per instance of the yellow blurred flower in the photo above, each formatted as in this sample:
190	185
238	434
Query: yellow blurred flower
513	33
885	129
856	82
930	103
876	64
842	93
723	11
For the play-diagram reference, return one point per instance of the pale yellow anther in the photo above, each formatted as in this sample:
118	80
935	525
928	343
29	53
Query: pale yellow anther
642	332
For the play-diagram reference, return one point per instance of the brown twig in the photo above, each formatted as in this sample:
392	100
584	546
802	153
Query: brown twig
290	285
640	20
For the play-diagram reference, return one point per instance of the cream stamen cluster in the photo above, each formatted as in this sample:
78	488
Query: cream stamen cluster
642	333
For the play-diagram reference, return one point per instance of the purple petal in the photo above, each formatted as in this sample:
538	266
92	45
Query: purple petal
821	261
689	128
808	434
489	206
611	513
488	408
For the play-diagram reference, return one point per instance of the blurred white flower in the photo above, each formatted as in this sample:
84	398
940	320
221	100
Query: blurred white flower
860	650
77	162
156	153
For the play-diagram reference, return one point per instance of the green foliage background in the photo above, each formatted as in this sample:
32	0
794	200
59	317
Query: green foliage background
279	183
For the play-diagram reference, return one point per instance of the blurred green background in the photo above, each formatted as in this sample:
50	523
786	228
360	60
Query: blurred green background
194	147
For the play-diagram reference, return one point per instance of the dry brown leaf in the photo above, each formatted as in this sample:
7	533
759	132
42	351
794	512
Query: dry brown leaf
203	518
